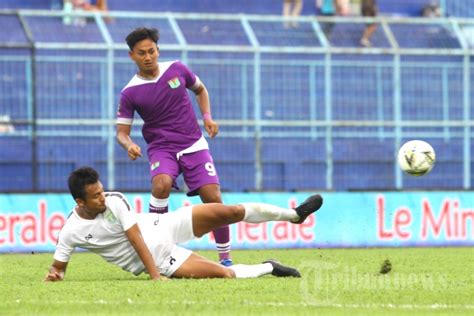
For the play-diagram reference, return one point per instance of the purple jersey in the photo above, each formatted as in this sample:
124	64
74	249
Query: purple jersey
163	103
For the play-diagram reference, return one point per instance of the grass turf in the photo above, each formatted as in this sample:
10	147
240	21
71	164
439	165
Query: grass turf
335	281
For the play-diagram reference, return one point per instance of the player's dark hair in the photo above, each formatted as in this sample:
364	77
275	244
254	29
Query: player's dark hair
79	178
140	34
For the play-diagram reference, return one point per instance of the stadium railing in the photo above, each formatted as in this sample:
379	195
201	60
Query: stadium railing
300	109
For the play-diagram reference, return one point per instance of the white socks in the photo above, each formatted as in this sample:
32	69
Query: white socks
261	212
158	202
243	271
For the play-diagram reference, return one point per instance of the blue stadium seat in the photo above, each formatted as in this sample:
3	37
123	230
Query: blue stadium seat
232	149
132	175
236	176
366	149
52	29
234	160
446	175
293	149
25	4
289	162
363	163
19	149
16	171
363	175
293	164
204	6
400	7
53	175
58	156
16	176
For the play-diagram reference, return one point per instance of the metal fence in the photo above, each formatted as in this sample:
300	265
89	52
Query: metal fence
299	109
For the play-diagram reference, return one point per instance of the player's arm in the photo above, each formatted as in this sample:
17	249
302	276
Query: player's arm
123	138
135	237
202	97
56	271
124	121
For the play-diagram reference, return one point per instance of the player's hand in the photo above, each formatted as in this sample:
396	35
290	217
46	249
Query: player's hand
53	277
211	127
160	278
134	151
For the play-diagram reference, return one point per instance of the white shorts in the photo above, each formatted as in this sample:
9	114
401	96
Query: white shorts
162	233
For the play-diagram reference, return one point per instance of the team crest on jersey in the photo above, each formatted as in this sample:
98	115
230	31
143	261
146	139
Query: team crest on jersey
174	83
154	165
110	217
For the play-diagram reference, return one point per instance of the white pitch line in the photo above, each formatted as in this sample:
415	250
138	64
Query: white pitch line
335	305
273	304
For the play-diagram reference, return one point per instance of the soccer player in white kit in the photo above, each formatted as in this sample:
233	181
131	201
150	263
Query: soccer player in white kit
105	223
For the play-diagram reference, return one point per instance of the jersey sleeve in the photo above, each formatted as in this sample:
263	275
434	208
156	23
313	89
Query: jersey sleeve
192	81
122	210
64	247
125	110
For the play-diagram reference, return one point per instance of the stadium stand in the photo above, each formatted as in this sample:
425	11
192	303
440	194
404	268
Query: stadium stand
15	164
286	124
463	8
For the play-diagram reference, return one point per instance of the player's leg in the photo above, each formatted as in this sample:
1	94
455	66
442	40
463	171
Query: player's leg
175	261
369	9
164	169
201	178
102	5
211	193
296	11
160	192
207	217
367	34
198	267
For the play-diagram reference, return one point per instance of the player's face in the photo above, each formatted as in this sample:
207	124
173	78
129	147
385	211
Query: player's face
145	54
95	199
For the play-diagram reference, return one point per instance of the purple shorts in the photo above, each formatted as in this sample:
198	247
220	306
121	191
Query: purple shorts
197	168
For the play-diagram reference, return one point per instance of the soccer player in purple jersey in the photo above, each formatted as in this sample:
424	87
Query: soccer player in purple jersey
158	93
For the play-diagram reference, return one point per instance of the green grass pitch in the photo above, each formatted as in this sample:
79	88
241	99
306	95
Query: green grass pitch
335	281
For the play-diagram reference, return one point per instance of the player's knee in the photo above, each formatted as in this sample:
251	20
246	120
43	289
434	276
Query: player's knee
161	189
236	212
210	194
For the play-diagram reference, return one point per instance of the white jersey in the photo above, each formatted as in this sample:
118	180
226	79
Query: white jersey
105	235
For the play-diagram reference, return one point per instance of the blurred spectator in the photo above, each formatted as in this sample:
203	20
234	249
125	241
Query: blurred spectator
5	125
331	8
87	5
82	5
431	10
56	4
326	8
343	7
291	9
368	8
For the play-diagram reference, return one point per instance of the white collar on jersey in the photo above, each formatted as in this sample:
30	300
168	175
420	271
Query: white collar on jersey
137	80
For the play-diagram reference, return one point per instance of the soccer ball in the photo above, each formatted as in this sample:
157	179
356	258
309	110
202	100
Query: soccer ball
416	157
